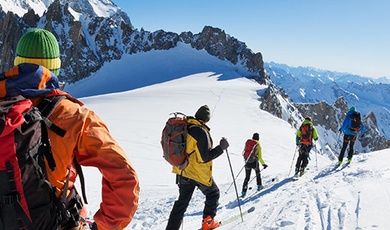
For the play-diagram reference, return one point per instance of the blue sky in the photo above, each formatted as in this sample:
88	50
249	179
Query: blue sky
348	36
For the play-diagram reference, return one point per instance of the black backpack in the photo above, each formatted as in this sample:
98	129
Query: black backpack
27	198
355	122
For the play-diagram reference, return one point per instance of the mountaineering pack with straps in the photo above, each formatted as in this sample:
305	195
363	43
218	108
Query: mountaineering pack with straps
27	199
250	151
173	140
306	134
26	196
355	122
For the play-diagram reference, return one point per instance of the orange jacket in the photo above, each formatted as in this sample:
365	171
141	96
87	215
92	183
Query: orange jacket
88	139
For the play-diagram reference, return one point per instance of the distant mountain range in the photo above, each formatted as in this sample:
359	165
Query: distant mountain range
310	85
92	34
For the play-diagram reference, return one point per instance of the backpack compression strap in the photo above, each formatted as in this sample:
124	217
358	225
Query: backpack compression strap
13	198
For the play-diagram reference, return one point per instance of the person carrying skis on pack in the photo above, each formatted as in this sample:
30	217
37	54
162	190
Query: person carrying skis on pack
304	141
86	139
252	156
198	172
351	127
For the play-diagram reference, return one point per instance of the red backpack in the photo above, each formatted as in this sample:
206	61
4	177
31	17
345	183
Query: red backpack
250	151
27	198
173	141
306	134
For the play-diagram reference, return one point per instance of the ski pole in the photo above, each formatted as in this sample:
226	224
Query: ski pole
338	140
316	157
235	179
239	172
292	163
234	182
255	176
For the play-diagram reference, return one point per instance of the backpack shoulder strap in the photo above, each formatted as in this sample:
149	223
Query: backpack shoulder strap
46	107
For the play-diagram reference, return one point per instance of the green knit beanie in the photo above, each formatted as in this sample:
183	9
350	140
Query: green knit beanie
40	47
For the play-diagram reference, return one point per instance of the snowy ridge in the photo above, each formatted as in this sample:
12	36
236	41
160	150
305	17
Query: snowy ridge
99	8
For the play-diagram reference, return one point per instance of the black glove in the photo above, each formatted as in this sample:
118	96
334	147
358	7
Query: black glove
224	143
265	166
94	226
362	135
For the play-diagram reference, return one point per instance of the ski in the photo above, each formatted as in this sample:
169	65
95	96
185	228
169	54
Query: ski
297	176
267	185
341	167
237	216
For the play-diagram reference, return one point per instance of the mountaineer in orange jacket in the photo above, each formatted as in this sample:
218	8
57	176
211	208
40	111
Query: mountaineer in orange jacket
87	138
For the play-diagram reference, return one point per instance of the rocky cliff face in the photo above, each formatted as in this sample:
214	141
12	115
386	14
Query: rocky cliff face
331	118
86	46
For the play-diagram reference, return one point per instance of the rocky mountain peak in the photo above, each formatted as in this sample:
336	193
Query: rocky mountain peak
88	40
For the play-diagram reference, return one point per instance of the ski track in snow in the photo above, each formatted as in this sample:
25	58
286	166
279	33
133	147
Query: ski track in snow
309	203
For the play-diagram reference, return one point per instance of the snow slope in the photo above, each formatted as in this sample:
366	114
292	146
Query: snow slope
356	197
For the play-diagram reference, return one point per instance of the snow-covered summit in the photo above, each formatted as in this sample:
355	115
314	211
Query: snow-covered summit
98	8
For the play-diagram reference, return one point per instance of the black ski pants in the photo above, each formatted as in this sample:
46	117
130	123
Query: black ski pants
186	189
347	139
303	158
248	169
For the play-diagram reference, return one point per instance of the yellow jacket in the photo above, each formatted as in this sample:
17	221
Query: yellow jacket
259	153
200	153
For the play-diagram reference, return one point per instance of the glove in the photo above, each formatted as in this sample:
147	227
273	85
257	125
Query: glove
265	166
94	226
224	143
362	135
89	226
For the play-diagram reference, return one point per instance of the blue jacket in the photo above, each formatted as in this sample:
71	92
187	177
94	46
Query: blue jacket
347	123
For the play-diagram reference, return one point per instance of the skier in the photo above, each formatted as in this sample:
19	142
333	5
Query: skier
351	127
304	141
87	138
252	156
198	173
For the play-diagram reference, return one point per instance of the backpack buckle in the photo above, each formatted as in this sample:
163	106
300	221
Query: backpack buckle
11	199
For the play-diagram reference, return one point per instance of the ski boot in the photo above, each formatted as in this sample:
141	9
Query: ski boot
301	172
260	187
209	223
243	194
